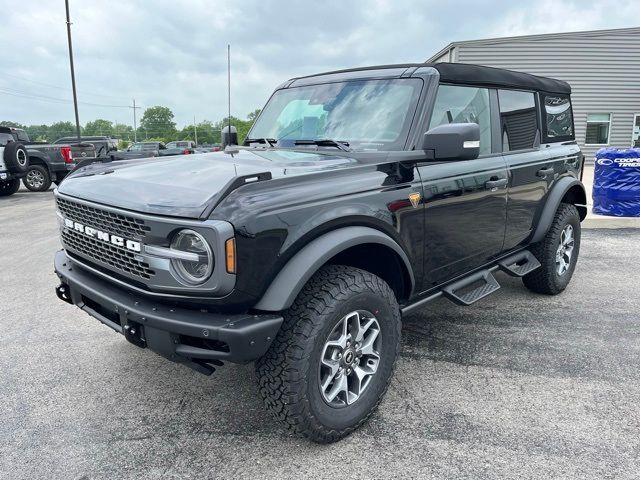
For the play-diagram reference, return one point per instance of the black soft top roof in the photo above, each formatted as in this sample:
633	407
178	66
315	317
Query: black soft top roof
468	74
498	77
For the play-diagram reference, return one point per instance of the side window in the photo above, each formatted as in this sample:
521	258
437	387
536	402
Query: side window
456	104
558	118
518	120
22	136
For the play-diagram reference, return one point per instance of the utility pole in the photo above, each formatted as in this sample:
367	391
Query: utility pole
195	129
135	126
73	75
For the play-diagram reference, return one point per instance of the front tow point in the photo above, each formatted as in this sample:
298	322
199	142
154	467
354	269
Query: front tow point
62	291
133	333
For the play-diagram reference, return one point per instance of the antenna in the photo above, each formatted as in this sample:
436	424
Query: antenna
229	85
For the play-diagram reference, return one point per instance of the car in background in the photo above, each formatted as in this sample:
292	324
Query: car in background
48	163
186	146
14	163
215	147
104	145
148	149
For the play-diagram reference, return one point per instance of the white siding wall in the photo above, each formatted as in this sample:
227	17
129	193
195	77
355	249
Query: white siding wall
602	69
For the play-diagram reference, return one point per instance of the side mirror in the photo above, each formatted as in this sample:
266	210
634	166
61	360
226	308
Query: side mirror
453	141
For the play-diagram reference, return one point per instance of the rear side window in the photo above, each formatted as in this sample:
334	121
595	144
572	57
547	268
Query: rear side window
558	118
518	120
456	104
22	136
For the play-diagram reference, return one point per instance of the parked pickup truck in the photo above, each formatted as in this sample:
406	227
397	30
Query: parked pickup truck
103	145
359	197
48	162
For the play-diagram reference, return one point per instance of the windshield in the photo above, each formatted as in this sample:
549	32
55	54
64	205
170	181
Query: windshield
366	114
136	147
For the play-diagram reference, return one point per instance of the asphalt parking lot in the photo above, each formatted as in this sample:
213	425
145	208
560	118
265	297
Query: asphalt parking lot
519	385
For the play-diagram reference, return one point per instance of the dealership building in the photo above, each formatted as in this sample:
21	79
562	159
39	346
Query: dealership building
602	67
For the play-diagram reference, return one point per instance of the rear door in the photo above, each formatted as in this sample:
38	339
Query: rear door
533	166
465	201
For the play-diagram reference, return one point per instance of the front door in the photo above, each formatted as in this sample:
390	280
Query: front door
465	201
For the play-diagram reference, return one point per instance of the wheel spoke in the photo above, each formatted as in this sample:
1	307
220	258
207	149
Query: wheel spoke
367	344
340	385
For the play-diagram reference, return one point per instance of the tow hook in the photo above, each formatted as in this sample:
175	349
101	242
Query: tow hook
62	291
133	333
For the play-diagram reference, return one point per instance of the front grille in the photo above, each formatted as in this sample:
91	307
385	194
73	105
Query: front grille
118	224
98	250
113	256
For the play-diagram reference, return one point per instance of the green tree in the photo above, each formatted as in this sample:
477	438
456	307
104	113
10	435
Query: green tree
61	129
124	132
157	122
99	127
253	115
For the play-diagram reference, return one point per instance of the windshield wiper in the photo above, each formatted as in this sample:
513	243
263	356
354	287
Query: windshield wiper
325	142
267	141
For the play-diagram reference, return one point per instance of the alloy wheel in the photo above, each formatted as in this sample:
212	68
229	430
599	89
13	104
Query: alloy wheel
565	250
350	358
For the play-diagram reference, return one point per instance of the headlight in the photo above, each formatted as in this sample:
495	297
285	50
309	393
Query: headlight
195	260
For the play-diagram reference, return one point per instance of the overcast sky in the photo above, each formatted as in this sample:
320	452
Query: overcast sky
173	53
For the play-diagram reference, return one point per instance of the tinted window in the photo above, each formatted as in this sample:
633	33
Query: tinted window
518	120
598	127
22	135
558	117
464	105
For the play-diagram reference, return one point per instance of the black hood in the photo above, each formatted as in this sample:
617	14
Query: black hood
185	185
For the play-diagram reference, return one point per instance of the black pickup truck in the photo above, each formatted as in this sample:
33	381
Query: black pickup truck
48	163
359	197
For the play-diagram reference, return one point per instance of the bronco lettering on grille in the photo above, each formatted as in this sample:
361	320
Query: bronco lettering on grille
104	236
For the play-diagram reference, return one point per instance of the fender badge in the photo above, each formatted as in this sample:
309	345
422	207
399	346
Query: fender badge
415	198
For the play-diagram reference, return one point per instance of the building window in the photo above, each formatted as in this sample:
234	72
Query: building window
598	129
464	105
518	120
635	138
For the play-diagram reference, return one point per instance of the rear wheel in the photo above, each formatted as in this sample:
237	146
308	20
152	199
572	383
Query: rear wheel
9	187
332	360
37	179
557	253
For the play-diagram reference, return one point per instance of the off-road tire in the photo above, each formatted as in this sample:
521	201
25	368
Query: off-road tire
546	278
9	187
41	175
15	157
288	372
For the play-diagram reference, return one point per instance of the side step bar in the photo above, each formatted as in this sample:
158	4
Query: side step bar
519	264
482	283
488	285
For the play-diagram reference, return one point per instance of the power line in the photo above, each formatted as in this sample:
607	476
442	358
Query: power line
35	96
66	89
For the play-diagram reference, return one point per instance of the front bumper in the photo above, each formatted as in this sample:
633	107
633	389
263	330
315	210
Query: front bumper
194	337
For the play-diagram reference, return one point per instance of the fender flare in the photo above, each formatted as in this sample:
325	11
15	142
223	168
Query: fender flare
41	159
553	202
301	267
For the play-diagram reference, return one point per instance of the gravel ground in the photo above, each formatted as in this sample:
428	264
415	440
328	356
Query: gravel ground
518	385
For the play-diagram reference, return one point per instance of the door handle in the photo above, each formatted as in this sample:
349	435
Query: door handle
494	184
543	172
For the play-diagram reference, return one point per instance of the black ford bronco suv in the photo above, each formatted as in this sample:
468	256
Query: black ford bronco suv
358	197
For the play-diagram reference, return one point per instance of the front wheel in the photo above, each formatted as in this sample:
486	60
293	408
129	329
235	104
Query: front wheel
557	253
333	359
